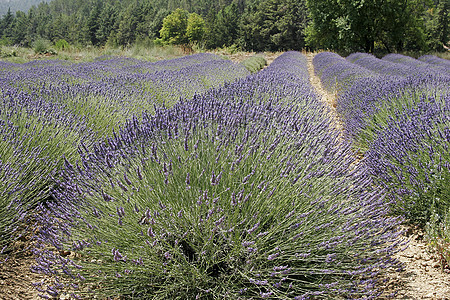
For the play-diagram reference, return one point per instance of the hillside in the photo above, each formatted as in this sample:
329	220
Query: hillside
16	5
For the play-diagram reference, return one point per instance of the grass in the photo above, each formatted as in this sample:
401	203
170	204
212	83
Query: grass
86	54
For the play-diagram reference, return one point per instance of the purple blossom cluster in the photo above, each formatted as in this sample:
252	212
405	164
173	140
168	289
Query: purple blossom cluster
370	100
382	89
34	136
336	73
245	191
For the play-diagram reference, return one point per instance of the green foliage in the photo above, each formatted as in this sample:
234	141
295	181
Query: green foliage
181	28
274	25
41	46
438	236
174	28
256	25
223	27
254	63
436	26
5	53
195	28
62	45
360	25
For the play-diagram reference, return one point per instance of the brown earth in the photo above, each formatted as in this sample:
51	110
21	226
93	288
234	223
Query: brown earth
15	273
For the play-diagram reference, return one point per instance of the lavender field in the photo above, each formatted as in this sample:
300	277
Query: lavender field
194	178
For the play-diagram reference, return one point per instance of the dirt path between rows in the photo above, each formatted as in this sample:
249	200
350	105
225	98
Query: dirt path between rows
423	277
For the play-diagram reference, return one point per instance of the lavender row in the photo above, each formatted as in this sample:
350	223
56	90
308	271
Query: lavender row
409	61
243	192
410	157
394	68
34	138
337	74
401	124
432	59
367	105
118	91
370	87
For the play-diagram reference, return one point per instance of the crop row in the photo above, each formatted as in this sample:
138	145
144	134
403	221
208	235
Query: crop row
399	118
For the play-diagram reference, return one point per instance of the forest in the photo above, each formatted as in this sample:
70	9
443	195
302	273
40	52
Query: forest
249	25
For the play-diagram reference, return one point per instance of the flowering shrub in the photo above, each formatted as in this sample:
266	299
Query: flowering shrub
410	158
243	192
409	61
34	136
107	92
417	169
369	104
399	121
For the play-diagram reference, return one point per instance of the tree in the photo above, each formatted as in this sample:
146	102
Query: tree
195	28
227	26
443	20
92	25
174	28
106	22
6	26
274	25
19	29
359	25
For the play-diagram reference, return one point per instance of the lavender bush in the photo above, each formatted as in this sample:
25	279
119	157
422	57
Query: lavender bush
401	124
410	157
239	193
368	105
34	136
107	92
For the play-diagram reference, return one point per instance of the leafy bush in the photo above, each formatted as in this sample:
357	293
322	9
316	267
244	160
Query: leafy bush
62	45
234	194
254	63
438	236
42	46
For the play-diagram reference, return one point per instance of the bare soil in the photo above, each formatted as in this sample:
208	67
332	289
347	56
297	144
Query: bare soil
15	273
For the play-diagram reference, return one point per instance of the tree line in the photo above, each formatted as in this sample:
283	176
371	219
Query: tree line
253	25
